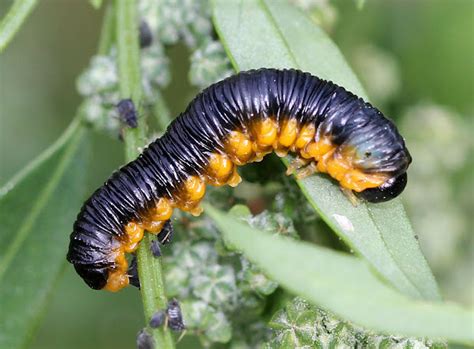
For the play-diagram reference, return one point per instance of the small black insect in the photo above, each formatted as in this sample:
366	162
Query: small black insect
155	248
146	37
166	233
157	319
145	340
127	112
133	273
175	317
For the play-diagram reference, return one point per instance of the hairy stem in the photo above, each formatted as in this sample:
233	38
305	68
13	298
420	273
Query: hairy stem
149	268
107	32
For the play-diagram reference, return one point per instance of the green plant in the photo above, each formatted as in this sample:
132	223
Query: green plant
387	274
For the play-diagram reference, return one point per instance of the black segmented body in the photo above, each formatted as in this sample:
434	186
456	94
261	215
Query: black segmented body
184	150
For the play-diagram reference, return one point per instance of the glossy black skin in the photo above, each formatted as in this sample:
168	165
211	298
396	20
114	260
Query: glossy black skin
128	113
387	191
185	148
133	273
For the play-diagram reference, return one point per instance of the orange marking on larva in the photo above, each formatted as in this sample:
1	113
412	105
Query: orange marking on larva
152	226
288	133
220	166
239	147
190	195
219	169
134	233
195	188
305	136
118	278
116	281
281	152
322	162
265	132
358	181
317	150
163	210
196	211
337	166
235	179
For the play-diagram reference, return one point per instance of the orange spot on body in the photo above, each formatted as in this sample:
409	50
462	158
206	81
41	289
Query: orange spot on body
305	136
134	234
118	278
190	195
288	133
163	210
317	150
152	226
220	167
195	188
265	132
337	166
235	179
116	281
239	147
358	181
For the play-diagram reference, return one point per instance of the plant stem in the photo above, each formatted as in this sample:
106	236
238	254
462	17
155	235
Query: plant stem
107	33
149	267
13	20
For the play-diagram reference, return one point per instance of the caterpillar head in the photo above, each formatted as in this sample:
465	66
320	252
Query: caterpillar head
379	150
387	191
376	153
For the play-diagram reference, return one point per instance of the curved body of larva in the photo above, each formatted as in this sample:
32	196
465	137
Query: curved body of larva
231	123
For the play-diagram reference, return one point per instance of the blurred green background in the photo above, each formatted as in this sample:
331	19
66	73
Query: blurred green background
414	57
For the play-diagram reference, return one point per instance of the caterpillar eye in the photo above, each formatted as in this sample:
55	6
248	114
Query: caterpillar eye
387	191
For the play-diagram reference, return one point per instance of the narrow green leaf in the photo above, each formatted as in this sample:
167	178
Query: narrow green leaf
260	33
345	285
96	4
37	209
13	20
360	4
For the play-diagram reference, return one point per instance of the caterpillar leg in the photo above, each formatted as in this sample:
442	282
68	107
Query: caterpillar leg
350	196
296	165
307	171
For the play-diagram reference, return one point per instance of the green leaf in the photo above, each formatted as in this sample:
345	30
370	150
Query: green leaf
360	4
345	285
96	4
37	209
13	20
260	33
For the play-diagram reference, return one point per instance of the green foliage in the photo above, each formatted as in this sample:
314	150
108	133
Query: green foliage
344	284
223	294
36	211
300	324
380	233
234	290
14	19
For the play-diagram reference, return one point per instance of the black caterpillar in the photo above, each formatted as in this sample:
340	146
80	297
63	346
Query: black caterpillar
233	122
